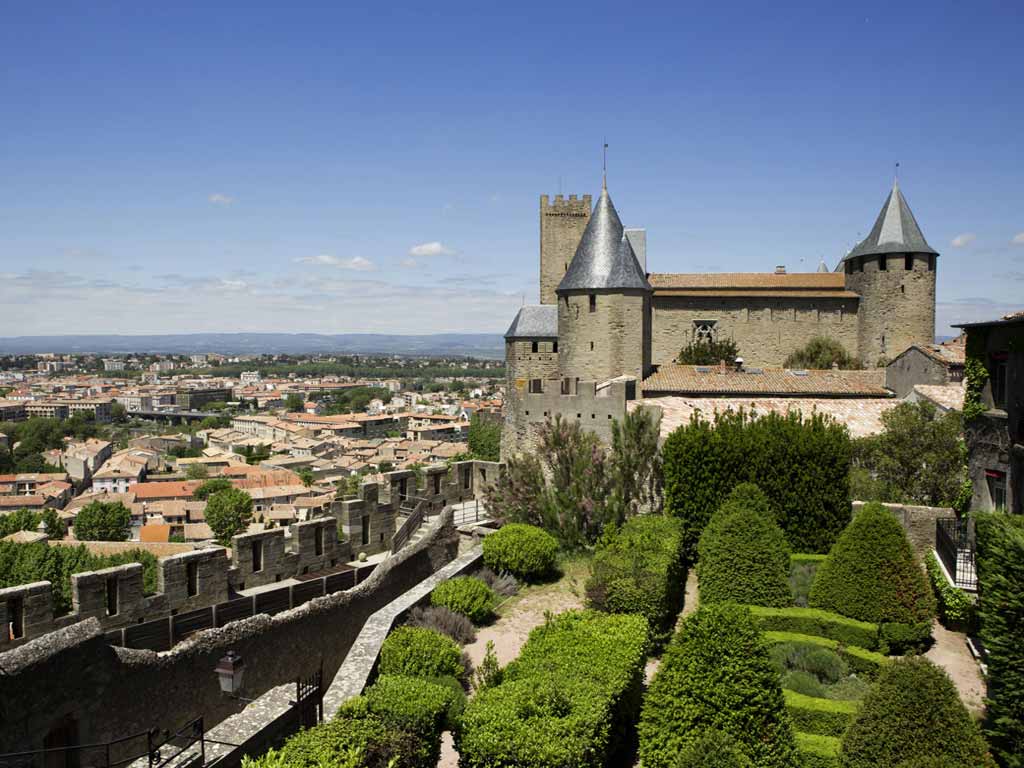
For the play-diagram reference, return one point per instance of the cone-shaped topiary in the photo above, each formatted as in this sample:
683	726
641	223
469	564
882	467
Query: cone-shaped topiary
912	715
871	574
716	675
713	750
744	557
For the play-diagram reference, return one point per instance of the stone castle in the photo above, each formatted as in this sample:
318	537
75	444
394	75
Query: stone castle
602	315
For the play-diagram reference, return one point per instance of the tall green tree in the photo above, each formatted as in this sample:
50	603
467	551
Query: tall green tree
210	487
484	438
228	513
103	521
708	352
294	402
919	458
821	353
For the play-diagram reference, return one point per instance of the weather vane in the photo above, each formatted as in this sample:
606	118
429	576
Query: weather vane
604	166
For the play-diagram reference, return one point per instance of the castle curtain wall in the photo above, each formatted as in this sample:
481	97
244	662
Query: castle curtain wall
766	329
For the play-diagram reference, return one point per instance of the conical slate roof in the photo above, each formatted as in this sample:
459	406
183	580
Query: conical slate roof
534	321
604	257
822	266
895	230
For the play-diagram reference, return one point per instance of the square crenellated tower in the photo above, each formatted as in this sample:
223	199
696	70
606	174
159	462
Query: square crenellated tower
562	223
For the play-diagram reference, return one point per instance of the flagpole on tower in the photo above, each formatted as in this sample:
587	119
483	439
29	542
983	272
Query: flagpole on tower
604	167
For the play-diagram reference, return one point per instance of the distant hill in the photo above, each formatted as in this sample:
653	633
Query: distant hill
483	345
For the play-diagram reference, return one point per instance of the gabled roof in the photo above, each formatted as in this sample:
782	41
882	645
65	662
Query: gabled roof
895	230
604	257
534	321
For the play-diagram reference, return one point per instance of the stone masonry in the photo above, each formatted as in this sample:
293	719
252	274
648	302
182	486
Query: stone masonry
561	226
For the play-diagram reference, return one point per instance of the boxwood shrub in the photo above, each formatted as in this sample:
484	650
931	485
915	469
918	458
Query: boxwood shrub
1000	540
354	739
569	699
912	712
956	609
716	675
827	717
871	574
861	661
743	554
801	463
817	751
525	551
640	569
814	621
421	652
713	749
420	706
466	595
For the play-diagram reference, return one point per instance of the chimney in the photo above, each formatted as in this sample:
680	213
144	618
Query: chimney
780	269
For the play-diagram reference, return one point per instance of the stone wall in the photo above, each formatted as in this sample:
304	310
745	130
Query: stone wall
610	341
911	368
521	362
73	678
199	579
561	227
897	305
918	522
766	330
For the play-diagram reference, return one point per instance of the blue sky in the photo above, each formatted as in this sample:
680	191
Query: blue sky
347	167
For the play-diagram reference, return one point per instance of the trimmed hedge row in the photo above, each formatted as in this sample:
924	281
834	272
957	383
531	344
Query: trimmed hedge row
421	652
800	558
354	739
955	606
860	660
818	751
525	551
814	621
466	595
826	717
640	569
743	554
569	699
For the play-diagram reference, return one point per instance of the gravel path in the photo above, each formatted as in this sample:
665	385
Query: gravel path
950	652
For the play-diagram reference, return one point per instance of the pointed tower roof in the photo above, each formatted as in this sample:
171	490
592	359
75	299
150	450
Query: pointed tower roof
822	266
604	257
895	230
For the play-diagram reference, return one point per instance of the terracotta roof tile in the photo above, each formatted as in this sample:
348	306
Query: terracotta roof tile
710	380
743	281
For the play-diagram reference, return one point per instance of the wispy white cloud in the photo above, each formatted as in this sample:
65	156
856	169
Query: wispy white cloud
410	263
1018	239
963	240
433	248
219	198
357	263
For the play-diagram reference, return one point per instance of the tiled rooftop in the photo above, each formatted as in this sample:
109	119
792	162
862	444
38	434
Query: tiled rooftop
712	380
744	281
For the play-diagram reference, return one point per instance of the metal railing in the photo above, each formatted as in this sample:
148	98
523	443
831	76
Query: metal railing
409	527
954	545
469	512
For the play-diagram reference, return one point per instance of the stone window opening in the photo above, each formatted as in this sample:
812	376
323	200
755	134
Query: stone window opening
593	302
566	387
15	618
849	267
883	263
931	263
257	556
908	262
999	380
318	541
111	596
536	386
554	346
365	539
591	346
704	331
533	346
996	481
191	579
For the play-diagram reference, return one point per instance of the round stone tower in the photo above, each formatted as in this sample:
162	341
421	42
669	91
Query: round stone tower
893	271
604	304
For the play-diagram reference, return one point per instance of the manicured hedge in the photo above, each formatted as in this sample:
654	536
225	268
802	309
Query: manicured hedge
525	551
743	554
352	740
912	712
861	661
814	621
421	652
800	558
420	706
1000	542
817	751
640	569
713	749
955	606
827	717
716	675
466	595
570	699
871	574
801	464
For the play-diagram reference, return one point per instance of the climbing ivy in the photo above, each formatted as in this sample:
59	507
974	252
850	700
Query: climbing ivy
975	373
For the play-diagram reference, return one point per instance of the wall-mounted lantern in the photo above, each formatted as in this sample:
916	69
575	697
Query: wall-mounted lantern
230	670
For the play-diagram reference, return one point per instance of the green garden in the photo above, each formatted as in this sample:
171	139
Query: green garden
802	646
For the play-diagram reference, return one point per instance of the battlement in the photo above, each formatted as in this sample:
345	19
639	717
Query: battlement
562	206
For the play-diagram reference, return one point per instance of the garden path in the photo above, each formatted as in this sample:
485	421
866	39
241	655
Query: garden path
516	617
950	652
